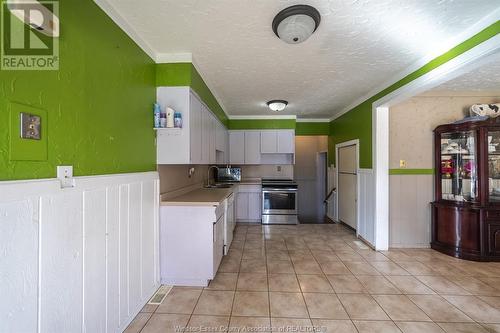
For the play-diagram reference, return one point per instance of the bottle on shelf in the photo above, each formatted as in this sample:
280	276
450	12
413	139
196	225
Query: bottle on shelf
156	112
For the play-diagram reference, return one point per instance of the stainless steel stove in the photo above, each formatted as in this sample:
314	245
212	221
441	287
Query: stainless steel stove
279	201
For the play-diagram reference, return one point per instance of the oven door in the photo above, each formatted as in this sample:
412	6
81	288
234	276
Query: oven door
279	201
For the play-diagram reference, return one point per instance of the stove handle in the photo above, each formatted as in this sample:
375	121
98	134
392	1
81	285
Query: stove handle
286	190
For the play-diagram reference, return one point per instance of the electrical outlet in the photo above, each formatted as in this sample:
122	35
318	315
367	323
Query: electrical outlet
65	175
402	163
278	168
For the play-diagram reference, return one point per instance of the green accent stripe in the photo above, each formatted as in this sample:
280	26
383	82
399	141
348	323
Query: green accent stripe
312	128
357	123
243	124
185	74
411	171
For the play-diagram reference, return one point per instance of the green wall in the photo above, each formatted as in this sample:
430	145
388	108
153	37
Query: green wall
357	123
312	128
242	124
98	105
185	74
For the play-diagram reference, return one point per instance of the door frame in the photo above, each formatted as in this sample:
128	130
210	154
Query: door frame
355	143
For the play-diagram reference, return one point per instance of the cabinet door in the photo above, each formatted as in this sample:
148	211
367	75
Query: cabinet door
254	204
268	142
252	147
205	132
220	141
242	206
286	141
218	244
195	130
493	238
237	147
226	147
212	131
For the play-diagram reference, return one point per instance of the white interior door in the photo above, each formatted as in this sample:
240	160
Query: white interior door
347	185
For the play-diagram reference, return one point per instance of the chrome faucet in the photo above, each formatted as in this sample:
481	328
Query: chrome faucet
208	173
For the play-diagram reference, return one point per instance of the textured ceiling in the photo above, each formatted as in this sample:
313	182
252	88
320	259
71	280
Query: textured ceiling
483	78
359	45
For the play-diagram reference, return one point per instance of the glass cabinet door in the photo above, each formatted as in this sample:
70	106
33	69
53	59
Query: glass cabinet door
494	166
458	166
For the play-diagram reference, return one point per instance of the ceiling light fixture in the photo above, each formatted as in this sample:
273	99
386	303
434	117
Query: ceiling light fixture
277	105
297	23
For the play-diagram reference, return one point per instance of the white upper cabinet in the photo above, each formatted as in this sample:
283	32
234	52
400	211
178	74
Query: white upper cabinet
196	142
286	142
268	142
262	147
252	147
237	147
206	124
277	142
212	133
195	130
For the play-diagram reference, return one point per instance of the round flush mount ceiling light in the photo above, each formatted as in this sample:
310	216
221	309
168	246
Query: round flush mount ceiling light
277	105
297	23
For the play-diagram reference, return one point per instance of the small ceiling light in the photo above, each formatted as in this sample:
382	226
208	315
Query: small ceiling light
297	23
277	105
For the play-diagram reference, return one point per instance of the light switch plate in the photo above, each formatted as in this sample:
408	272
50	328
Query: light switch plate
402	163
30	126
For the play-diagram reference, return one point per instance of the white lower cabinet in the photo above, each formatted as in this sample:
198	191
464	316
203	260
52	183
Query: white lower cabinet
248	203
191	244
218	241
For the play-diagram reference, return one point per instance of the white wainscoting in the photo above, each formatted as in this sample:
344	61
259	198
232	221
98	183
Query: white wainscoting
410	211
82	259
366	207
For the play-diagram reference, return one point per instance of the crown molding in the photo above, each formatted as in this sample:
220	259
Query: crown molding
448	45
277	117
166	58
313	120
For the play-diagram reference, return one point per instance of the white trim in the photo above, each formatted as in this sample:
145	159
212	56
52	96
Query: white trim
262	117
166	58
456	40
380	147
337	146
313	120
126	27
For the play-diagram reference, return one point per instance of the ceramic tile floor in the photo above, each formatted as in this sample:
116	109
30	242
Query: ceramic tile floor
320	278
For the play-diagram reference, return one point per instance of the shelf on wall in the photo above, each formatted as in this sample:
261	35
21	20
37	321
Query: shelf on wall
168	130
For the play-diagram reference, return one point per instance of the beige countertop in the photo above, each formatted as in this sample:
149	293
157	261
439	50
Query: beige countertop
206	196
199	197
251	181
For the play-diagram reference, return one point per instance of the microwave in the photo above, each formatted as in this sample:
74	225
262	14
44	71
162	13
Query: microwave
228	175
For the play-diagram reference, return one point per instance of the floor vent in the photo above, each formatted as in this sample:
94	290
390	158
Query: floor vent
160	295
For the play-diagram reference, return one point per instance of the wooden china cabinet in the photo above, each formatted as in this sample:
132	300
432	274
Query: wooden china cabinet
466	210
